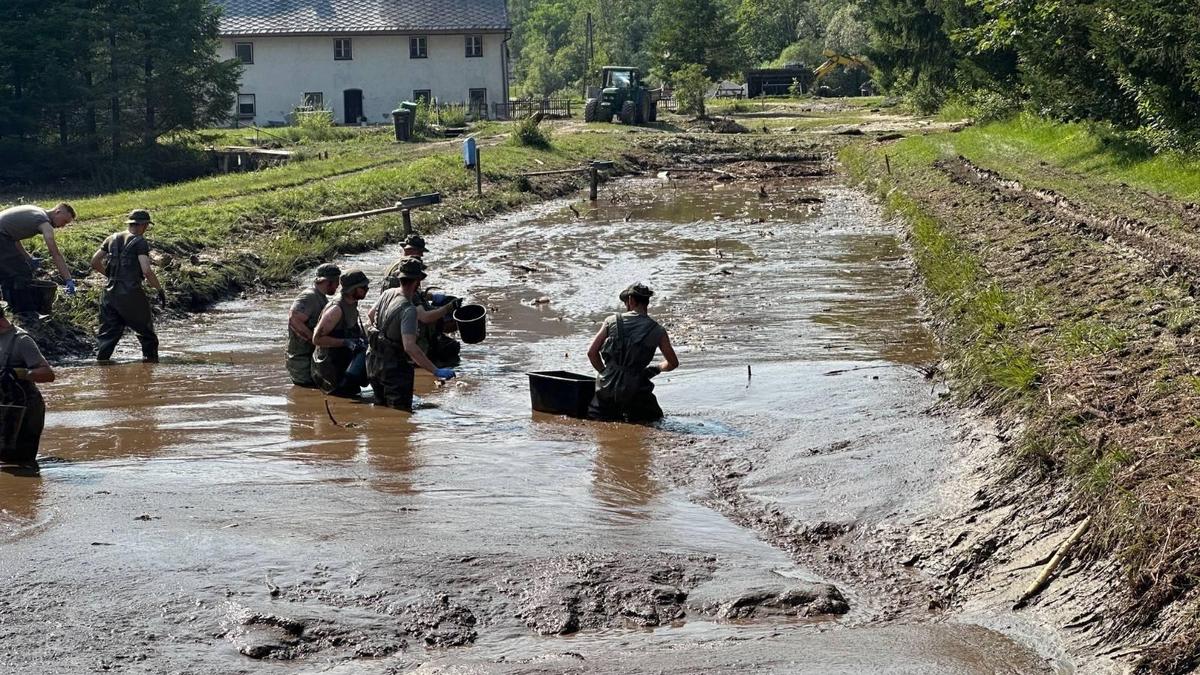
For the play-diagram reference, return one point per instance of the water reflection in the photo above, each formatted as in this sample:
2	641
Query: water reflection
21	491
621	477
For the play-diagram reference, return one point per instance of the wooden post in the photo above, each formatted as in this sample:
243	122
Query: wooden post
478	174
594	174
888	163
406	214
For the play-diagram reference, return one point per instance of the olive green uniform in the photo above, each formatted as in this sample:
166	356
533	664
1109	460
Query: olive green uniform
18	350
16	273
389	368
624	389
300	351
124	302
329	364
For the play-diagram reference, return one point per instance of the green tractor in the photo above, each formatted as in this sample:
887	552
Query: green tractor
623	94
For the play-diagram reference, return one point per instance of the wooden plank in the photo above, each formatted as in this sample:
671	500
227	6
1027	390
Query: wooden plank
402	205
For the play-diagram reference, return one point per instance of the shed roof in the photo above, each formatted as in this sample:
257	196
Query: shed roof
301	17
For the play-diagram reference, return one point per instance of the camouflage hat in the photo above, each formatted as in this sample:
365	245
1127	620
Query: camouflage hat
329	271
638	290
354	279
139	217
415	241
412	268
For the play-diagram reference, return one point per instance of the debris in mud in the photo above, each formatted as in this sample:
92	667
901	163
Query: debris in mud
438	622
262	636
720	125
583	593
797	599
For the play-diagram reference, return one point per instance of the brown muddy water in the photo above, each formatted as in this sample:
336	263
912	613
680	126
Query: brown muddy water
203	516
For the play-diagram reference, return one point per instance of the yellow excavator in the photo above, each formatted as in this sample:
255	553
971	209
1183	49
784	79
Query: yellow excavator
833	60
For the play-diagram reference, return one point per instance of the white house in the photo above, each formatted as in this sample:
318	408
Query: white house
360	58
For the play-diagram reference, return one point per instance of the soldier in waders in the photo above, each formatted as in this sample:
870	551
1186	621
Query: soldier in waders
339	360
393	340
21	366
125	259
16	265
302	320
622	352
431	332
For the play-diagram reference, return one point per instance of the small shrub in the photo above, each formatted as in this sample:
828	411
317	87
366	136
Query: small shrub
797	89
691	84
529	133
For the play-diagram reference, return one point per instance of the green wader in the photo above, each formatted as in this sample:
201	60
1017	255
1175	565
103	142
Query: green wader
389	369
329	364
442	349
124	302
24	449
624	390
16	275
300	354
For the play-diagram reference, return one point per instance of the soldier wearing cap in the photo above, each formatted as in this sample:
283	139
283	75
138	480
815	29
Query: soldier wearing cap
621	352
393	339
16	265
338	365
21	367
431	332
125	259
302	319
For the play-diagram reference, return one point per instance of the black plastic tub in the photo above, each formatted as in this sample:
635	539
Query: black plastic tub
560	392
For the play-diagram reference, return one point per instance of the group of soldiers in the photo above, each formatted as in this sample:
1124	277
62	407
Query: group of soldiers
330	348
123	258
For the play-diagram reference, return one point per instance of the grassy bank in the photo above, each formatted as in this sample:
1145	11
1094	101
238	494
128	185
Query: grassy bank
219	235
1080	341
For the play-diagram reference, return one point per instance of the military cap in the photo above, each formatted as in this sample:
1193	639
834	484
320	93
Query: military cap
328	271
638	290
354	279
412	268
139	217
415	241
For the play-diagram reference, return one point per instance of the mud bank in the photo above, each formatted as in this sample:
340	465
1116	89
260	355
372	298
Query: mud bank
1070	326
224	523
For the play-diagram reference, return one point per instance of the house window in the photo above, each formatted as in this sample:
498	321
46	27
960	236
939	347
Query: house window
417	48
314	100
474	46
244	51
341	50
422	95
246	106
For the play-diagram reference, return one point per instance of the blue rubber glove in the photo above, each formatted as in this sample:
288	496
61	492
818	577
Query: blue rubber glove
355	344
444	373
35	263
70	287
439	299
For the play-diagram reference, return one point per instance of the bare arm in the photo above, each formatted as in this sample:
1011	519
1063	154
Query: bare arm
670	360
329	320
594	350
148	272
414	352
298	322
433	315
99	260
52	246
42	373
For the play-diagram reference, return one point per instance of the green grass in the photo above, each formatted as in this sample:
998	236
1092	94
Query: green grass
1014	147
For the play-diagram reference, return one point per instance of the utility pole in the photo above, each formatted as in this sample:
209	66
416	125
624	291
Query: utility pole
591	53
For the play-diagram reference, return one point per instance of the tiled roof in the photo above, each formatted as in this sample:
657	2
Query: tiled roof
267	17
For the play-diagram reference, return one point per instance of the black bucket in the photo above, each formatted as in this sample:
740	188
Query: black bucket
472	323
41	295
11	417
561	392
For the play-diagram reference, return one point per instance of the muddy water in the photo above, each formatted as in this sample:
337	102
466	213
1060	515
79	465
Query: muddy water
196	513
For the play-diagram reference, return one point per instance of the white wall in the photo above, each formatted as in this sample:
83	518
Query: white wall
286	67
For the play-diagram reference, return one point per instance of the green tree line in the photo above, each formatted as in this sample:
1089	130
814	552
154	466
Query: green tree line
86	82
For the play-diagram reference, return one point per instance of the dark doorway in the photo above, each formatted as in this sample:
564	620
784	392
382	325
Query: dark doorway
352	104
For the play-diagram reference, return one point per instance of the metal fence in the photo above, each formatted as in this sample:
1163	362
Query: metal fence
549	107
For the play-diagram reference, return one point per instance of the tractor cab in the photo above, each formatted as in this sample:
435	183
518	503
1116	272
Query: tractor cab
622	94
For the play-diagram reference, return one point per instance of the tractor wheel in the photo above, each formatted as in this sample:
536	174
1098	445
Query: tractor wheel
628	112
590	110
